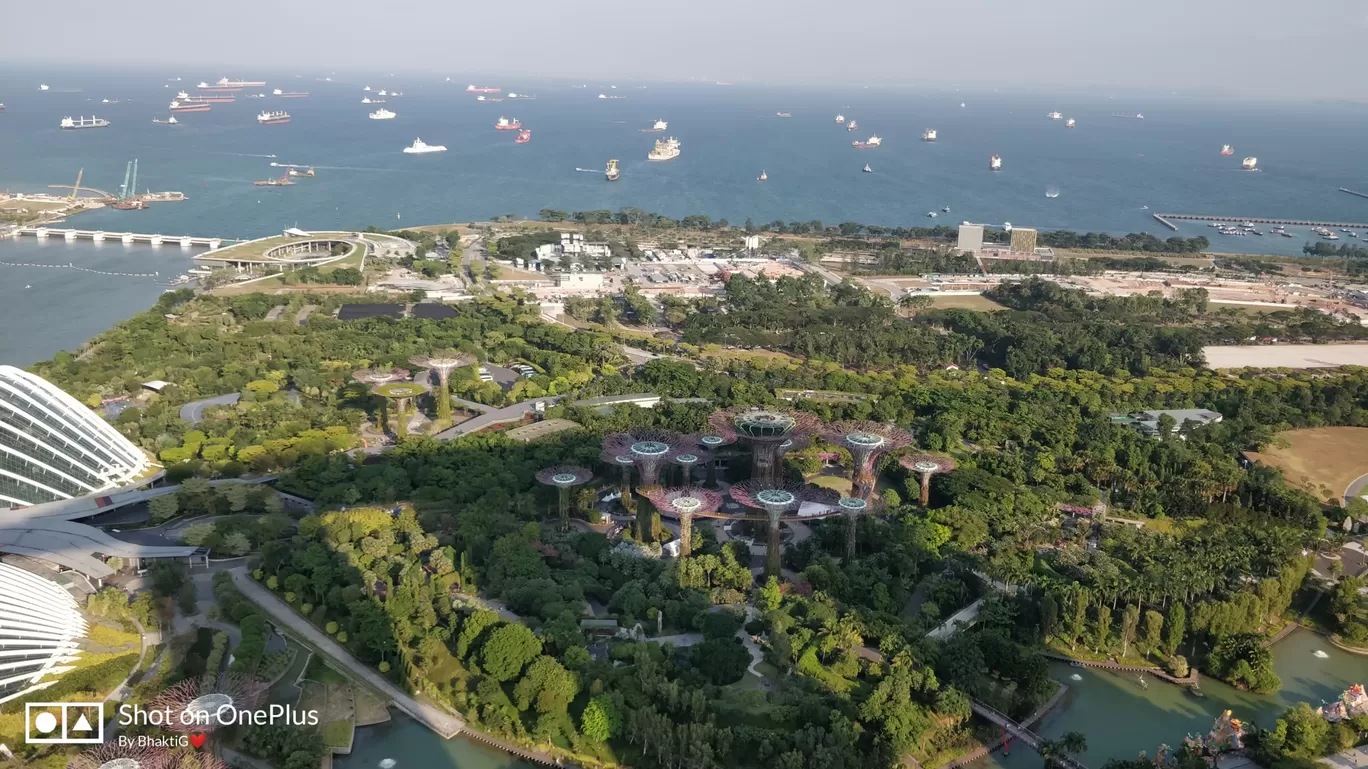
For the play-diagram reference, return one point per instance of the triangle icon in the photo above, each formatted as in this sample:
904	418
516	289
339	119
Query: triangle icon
82	725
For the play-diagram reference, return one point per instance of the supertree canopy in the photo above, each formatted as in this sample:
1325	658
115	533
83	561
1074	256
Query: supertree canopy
852	508
926	465
689	457
375	376
563	477
684	503
866	442
199	707
713	443
401	393
112	755
649	450
778	500
443	362
766	430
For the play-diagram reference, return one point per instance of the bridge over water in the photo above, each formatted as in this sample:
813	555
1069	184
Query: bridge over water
1022	734
98	236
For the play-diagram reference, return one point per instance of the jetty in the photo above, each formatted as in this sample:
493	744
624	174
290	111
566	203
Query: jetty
99	236
1158	672
1352	192
1255	220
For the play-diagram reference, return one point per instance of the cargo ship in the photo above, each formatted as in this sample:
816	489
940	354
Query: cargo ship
1070	123
854	126
84	122
611	173
524	136
203	99
292	94
224	84
1226	149
283	181
840	118
1055	116
1128	116
382	114
665	149
995	163
169	121
783	114
929	135
481	89
273	118
179	106
418	148
504	124
867	144
1250	164
763	177
369	100
659	126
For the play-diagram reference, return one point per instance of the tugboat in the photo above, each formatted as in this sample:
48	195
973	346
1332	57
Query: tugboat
524	136
763	177
611	173
867	144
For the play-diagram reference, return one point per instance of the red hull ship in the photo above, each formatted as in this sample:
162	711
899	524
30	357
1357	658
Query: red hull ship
505	124
524	136
177	106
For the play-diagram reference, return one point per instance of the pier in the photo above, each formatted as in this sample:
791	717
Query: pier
100	236
1166	222
1256	220
1351	192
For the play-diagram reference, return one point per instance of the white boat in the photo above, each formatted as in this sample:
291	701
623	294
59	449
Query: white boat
367	88
1250	164
931	214
419	148
383	92
929	135
995	163
169	121
867	169
763	177
840	118
1070	123
382	114
853	126
945	209
658	126
1055	116
42	87
665	149
867	144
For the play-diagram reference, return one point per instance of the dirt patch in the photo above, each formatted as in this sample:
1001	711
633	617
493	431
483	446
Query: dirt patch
1323	459
965	302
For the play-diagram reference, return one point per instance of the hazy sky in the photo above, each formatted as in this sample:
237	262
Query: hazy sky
1257	48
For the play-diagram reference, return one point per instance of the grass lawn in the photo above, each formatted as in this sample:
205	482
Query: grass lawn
1323	459
834	482
965	302
323	673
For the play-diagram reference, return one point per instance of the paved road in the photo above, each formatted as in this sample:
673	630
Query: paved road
492	417
440	721
193	411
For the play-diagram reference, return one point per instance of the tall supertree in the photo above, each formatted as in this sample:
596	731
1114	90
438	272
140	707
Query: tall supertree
926	465
766	430
866	442
649	450
563	477
777	500
684	503
197	705
713	443
443	362
624	461
379	376
852	508
401	394
688	458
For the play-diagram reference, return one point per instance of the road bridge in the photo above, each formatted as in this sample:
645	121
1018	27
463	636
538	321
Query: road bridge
99	236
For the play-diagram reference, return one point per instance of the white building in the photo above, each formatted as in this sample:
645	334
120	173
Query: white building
970	238
53	447
40	631
580	281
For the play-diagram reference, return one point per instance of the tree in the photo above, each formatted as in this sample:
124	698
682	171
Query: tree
1079	621
770	596
1154	625
1103	628
236	544
601	720
547	685
195	534
163	507
509	649
1130	620
1069	745
722	660
1049	615
1175	627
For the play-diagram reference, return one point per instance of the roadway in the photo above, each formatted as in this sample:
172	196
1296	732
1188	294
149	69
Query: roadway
436	719
193	411
491	417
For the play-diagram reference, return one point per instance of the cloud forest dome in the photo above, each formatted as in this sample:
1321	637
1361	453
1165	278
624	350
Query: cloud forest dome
53	447
40	628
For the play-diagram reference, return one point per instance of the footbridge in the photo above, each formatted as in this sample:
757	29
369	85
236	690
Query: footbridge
99	236
1016	731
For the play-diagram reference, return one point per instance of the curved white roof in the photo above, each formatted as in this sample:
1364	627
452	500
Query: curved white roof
40	630
53	447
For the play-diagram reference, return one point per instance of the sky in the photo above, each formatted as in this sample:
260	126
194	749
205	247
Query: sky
1268	49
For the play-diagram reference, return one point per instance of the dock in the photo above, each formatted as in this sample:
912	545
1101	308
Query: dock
1166	222
99	236
1352	192
1256	220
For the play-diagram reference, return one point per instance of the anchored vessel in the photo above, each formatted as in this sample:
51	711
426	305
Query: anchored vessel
524	136
929	135
995	163
283	181
1055	116
658	127
85	122
1226	149
783	114
611	173
1070	123
181	106
418	147
1250	163
504	124
840	118
867	144
382	114
169	121
273	118
289	94
665	149
224	84
481	89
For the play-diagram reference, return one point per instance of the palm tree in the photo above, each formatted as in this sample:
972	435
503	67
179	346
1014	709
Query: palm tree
1067	747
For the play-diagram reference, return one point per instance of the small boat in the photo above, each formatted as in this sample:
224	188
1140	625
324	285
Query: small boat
783	114
29	286
169	121
1196	691
763	177
931	214
840	118
995	163
611	173
1070	123
297	172
945	209
854	126
867	169
1226	149
1143	683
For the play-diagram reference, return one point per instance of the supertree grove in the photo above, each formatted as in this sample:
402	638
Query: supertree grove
443	362
866	442
563	477
926	465
777	499
376	377
852	508
199	706
684	503
766	430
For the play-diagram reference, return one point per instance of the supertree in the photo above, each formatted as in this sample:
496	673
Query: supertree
649	449
195	705
776	499
852	508
684	503
563	477
443	362
112	755
713	443
401	393
866	442
765	430
689	457
379	376
624	461
926	465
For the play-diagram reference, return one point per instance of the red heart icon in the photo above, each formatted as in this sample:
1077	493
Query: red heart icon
197	739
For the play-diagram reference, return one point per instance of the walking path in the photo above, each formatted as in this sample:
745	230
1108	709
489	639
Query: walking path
1191	680
1353	758
443	723
1021	731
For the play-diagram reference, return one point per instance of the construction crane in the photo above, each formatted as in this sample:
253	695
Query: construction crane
130	182
77	189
